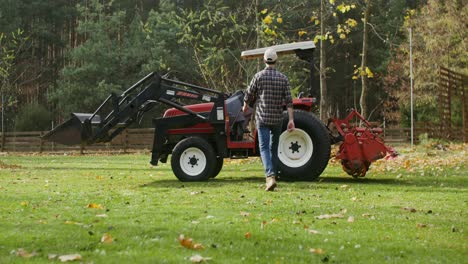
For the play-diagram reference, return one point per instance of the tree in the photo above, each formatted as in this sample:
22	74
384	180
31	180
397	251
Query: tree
108	61
438	40
214	34
365	72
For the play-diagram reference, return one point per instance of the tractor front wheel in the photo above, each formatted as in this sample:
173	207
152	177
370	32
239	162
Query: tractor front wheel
192	159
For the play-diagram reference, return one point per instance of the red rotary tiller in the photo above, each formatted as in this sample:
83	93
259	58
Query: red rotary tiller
361	145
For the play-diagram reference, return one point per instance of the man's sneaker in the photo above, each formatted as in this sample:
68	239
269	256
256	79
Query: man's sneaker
270	184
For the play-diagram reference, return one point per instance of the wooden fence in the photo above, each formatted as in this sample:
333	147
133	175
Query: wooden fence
132	140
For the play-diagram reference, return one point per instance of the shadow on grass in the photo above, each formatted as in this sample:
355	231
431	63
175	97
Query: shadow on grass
90	169
217	182
328	182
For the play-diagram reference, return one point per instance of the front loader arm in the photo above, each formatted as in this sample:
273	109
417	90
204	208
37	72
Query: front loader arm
117	112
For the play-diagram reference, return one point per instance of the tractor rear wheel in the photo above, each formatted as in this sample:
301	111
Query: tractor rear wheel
303	153
192	159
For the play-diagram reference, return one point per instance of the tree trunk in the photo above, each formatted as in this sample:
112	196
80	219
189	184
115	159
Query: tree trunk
257	23
364	79
323	66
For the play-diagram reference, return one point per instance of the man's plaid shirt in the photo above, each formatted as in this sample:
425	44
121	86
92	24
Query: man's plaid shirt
269	90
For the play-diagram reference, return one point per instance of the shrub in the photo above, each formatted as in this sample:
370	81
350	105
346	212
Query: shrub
33	117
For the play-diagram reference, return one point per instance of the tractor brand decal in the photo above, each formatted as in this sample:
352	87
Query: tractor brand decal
185	94
219	113
170	92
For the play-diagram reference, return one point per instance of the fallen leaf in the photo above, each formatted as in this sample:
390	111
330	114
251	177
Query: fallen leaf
247	235
188	243
24	204
101	215
72	223
52	256
198	259
71	257
21	252
244	213
344	186
318	251
107	239
311	231
94	206
329	216
350	219
420	225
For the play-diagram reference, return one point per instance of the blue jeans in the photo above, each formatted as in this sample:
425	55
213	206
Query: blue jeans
268	138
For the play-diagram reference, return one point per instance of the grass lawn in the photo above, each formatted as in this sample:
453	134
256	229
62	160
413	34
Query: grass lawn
120	209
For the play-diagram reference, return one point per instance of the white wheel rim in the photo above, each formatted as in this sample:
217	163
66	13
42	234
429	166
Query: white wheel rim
192	161
295	148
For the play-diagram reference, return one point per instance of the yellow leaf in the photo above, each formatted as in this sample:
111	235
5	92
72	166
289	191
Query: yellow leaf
24	204
264	11
317	22
342	36
94	206
301	33
267	20
351	22
332	2
279	20
369	73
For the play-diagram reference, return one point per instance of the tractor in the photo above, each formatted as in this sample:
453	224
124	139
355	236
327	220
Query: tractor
203	126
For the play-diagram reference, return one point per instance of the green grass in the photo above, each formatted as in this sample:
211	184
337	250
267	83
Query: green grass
44	209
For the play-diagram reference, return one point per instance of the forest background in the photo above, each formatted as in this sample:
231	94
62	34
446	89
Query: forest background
63	56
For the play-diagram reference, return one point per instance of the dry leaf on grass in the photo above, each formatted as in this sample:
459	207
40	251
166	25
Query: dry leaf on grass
311	231
244	213
94	206
198	259
247	235
71	257
350	219
107	239
21	252
420	225
318	251
329	216
188	243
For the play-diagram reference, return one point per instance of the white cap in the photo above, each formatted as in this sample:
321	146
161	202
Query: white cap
270	55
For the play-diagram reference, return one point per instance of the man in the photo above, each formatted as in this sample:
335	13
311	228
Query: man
269	91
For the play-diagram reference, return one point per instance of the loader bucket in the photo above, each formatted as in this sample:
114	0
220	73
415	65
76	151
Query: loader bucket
75	131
